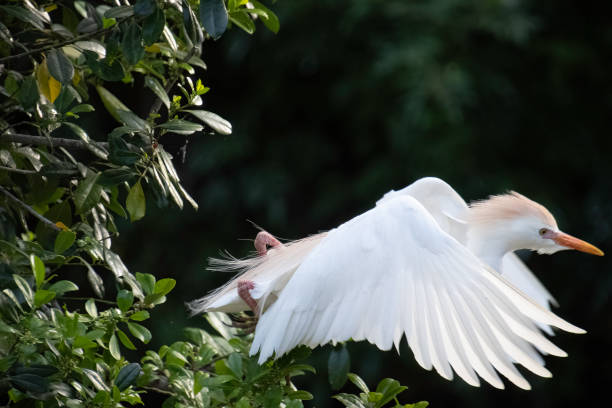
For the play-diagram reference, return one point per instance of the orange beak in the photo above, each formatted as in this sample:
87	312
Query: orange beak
566	240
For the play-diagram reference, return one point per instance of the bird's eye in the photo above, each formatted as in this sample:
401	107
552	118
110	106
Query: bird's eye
543	231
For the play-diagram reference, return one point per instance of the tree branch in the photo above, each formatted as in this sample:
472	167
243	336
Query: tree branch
47	141
63	43
29	209
20	171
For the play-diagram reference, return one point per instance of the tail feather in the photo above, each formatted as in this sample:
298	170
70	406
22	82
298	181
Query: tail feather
271	271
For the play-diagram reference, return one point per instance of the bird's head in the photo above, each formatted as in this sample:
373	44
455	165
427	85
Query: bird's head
525	224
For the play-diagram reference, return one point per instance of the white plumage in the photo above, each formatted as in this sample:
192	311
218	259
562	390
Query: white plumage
421	264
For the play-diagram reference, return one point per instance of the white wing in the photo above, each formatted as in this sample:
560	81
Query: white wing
450	212
392	271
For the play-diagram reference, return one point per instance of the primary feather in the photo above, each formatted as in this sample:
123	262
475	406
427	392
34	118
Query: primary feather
404	268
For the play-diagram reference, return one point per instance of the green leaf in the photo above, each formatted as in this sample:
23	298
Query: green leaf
127	376
125	299
25	289
87	194
213	17
389	388
132	44
147	281
355	379
63	241
91	308
135	202
37	369
159	90
91	145
350	400
216	122
96	282
95	379
43	296
164	286
130	119
84	107
63	286
64	99
27	95
301	395
270	20
181	127
125	340
272	398
338	367
144	7
119	12
234	363
38	269
243	20
113	347
112	104
140	332
140	315
153	26
29	382
60	66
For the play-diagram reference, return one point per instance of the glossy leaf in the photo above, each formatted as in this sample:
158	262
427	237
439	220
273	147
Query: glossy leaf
140	316
91	308
144	7
181	126
389	388
216	122
87	194
60	66
113	347
213	17
125	299
25	289
270	19
147	281
140	332
164	286
125	340
63	241
43	296
132	44
28	92
338	366
243	20
158	89
63	286
38	269
136	202
127	376
153	26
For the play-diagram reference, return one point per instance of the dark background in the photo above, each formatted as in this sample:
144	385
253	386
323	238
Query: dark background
354	98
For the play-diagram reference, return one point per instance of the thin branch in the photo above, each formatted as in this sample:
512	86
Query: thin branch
63	43
29	209
61	142
157	390
20	171
108	302
46	141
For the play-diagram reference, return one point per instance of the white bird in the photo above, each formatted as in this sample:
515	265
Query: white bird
421	263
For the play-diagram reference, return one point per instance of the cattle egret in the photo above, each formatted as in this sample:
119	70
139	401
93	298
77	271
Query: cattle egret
421	263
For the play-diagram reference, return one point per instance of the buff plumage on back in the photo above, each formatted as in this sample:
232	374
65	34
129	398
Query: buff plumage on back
507	206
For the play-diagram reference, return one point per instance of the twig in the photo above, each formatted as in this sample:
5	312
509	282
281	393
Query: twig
29	209
47	141
20	171
108	302
157	390
57	142
63	43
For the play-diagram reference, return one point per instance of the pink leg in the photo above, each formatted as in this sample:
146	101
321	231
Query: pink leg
262	241
244	291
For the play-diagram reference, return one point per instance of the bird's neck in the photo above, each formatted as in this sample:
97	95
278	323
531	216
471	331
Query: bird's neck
491	244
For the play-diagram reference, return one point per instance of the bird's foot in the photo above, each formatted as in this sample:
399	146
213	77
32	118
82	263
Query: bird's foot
263	240
244	322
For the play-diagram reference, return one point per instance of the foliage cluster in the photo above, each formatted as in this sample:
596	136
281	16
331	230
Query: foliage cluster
72	313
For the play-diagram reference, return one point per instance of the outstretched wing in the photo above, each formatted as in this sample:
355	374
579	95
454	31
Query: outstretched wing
451	212
392	271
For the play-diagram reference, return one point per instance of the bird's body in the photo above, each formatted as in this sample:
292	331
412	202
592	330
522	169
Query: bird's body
420	264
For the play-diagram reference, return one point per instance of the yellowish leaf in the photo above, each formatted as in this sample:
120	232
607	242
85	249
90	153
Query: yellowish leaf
154	48
62	226
42	77
54	88
76	78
